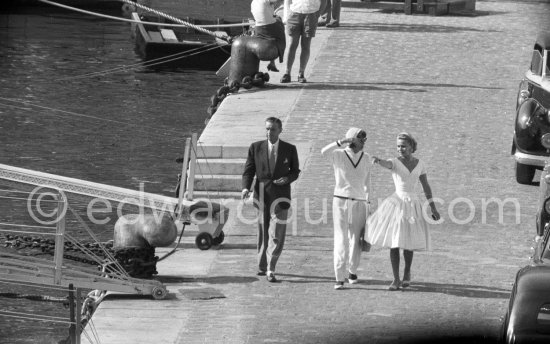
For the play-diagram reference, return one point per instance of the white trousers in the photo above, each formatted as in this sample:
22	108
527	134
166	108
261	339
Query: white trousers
349	219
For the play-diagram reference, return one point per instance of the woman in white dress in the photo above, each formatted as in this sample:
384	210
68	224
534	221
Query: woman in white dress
399	222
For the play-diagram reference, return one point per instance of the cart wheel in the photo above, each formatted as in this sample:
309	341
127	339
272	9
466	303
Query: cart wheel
219	239
159	293
203	241
266	77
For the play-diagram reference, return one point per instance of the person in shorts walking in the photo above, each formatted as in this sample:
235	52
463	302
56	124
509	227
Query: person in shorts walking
301	18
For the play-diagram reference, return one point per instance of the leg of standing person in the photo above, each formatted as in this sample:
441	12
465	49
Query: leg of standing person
335	13
358	218
408	255
263	240
290	56
304	58
277	234
340	219
394	257
309	29
324	18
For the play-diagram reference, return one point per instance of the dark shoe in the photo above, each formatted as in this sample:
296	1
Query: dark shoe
333	23
261	273
339	285
285	79
352	278
394	286
272	68
302	79
271	277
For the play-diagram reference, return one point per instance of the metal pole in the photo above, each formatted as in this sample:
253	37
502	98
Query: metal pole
78	329
59	239
183	178
72	328
192	164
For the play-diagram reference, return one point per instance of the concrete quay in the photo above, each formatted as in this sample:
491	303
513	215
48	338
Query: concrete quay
451	81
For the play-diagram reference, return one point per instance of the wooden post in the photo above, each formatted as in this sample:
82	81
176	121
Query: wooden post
192	164
59	239
183	178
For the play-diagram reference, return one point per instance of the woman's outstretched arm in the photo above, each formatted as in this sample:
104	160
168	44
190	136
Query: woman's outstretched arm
384	163
428	192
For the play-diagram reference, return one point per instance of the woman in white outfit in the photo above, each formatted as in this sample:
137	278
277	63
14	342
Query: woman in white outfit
399	222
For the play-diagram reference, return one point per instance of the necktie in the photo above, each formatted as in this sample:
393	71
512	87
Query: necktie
272	160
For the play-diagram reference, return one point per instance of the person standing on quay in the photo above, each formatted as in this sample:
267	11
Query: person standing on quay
399	221
275	165
330	16
269	26
350	205
301	18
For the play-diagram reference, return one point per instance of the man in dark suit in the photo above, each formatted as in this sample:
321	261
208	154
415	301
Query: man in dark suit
275	165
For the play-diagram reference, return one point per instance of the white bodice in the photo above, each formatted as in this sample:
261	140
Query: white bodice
406	182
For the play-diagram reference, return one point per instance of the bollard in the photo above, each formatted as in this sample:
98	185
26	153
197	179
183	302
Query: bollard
135	239
246	54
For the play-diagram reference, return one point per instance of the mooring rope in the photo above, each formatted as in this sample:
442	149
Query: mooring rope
197	27
72	114
174	19
148	63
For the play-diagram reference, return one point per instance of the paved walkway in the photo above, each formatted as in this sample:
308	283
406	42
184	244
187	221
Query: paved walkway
451	81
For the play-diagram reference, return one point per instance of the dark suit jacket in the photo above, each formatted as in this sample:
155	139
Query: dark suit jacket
257	164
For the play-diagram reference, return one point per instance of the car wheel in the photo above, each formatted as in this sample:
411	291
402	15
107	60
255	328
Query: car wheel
525	173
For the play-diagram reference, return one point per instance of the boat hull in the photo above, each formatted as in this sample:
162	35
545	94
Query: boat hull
188	51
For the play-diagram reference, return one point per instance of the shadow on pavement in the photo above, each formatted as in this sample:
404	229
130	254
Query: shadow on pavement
238	246
464	290
409	28
372	86
307	279
209	280
469	339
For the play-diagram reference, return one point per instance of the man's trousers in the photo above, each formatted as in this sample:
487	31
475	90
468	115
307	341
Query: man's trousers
271	237
349	217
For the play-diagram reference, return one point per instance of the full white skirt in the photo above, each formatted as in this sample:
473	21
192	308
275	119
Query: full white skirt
399	222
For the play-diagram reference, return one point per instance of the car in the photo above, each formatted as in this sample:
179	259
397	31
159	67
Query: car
543	212
527	319
532	124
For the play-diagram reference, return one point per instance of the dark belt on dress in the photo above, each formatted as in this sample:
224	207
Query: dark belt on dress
351	199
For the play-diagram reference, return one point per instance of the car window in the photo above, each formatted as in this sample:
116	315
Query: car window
536	61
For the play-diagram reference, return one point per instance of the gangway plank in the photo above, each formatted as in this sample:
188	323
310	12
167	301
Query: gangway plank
35	270
192	211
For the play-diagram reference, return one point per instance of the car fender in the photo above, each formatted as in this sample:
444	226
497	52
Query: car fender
530	118
530	292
